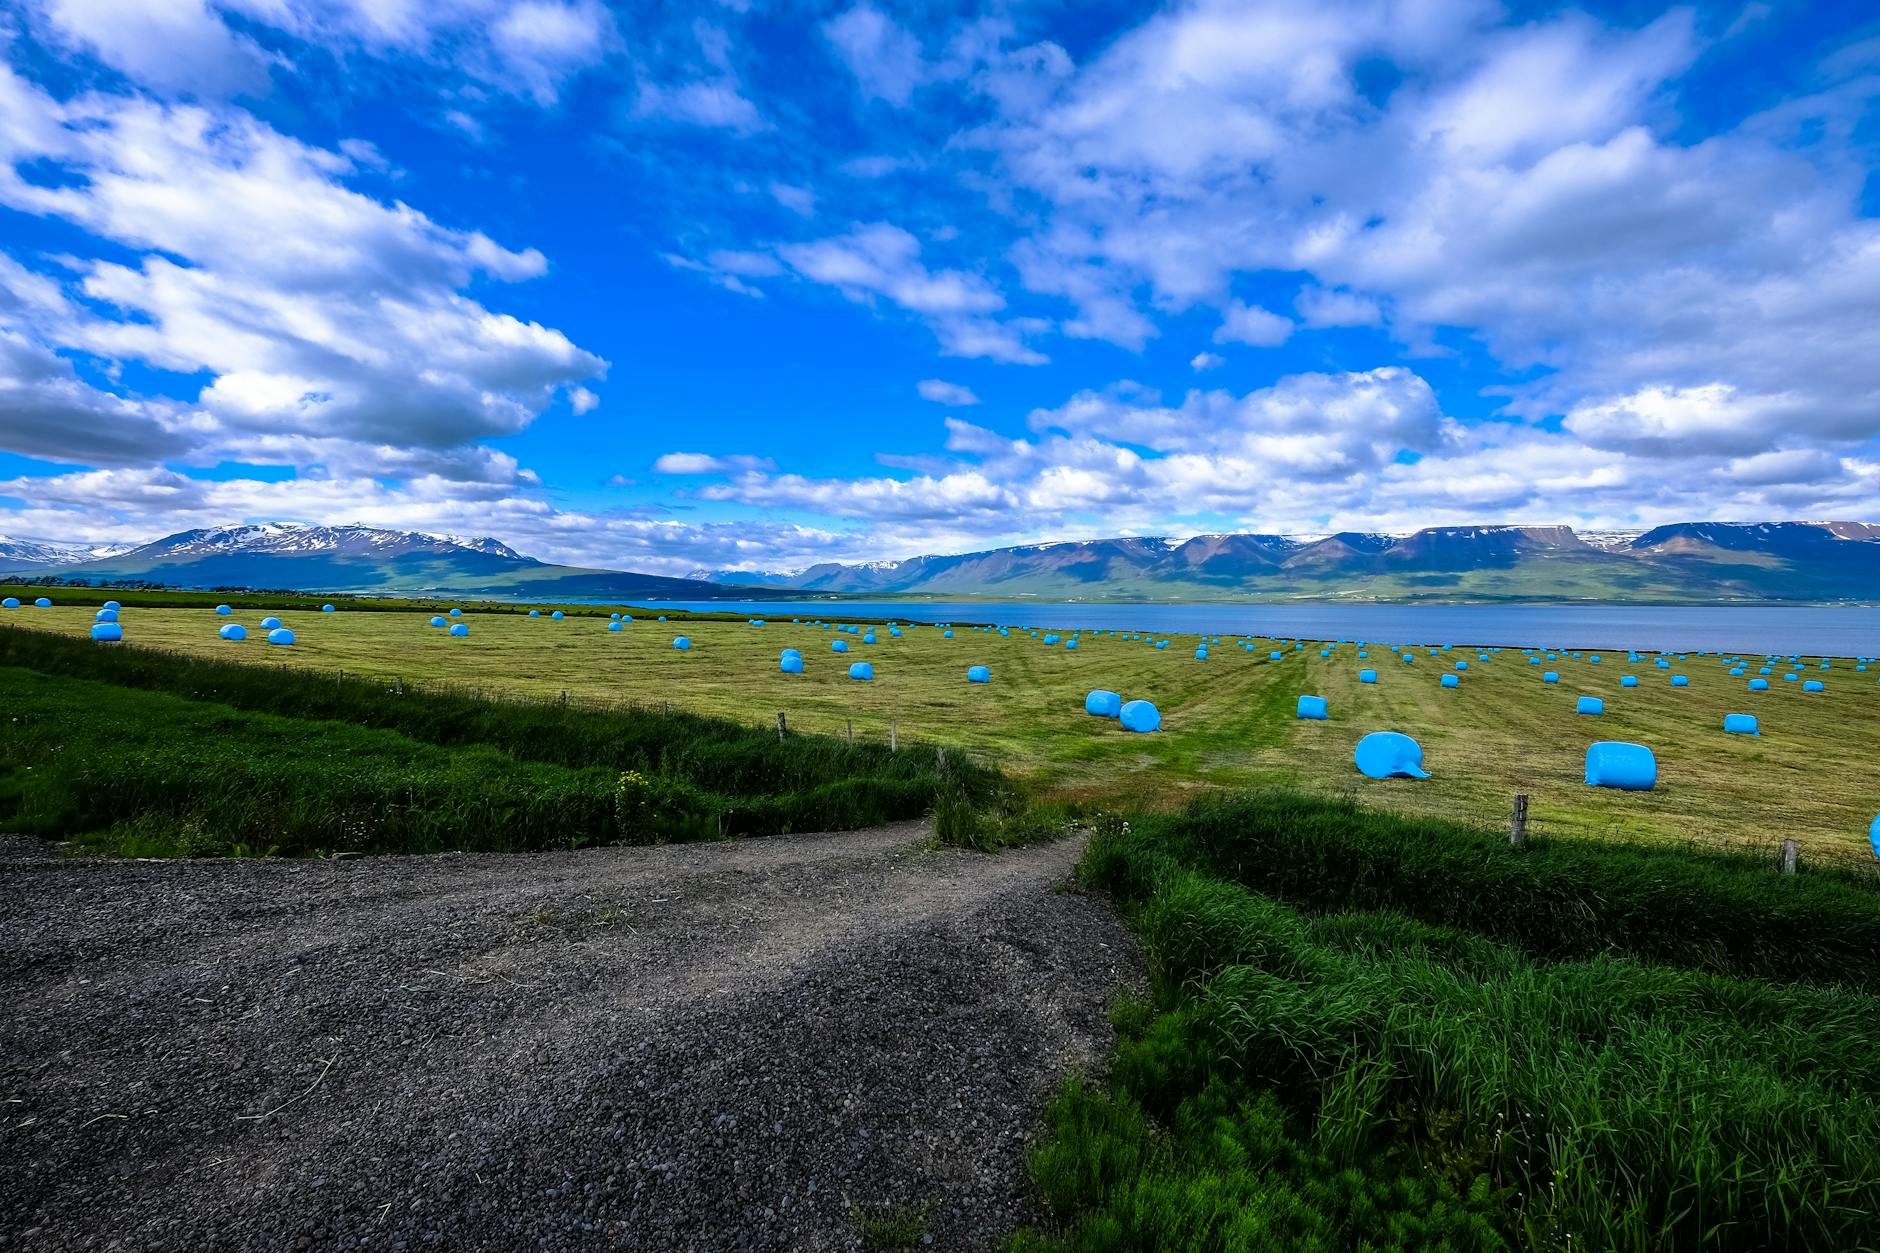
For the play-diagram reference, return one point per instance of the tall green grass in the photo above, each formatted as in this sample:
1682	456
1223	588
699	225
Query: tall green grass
769	784
1359	1079
152	753
1562	898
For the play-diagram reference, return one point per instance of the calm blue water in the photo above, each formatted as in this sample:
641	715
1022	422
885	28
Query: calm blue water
1784	629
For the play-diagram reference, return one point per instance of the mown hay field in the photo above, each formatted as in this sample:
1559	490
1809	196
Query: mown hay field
1228	720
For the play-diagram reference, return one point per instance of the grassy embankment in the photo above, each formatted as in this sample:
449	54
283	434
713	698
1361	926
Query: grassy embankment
150	753
1228	721
1609	1048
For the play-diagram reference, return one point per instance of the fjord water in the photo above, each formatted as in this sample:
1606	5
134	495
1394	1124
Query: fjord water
1814	630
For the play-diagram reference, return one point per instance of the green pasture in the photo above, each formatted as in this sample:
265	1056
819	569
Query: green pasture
1228	721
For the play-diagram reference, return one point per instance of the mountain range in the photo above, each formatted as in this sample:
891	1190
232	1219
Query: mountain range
1692	561
285	555
1687	561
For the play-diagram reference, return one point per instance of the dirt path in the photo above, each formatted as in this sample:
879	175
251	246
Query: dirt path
727	1046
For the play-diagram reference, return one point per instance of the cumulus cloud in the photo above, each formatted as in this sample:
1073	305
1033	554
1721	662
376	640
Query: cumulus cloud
1250	324
885	59
882	262
942	392
313	309
704	463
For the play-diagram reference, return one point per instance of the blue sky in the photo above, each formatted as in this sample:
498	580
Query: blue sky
739	285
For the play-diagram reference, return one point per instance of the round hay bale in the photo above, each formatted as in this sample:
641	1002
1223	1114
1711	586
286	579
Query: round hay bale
1312	708
225	610
1140	716
861	671
233	631
1103	703
978	674
460	629
1617	764
682	644
107	632
1741	724
281	637
1389	755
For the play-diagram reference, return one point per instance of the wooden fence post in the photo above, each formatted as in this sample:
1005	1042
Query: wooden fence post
1517	821
398	685
1790	853
893	745
780	726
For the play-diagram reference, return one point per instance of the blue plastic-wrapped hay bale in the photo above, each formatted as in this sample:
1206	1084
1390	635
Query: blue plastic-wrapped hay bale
1759	685
1628	680
1450	680
43	602
111	604
861	670
1814	685
328	609
1680	680
1590	705
1741	724
895	632
456	613
269	623
535	613
281	636
1617	764
438	621
460	629
1161	643
106	632
869	638
1070	645
1873	836
1313	708
557	616
613	626
1462	665
682	644
11	602
1139	716
1367	676
978	674
838	646
790	662
233	631
1103	703
107	614
1552	676
1201	654
946	635
1275	656
1389	755
224	610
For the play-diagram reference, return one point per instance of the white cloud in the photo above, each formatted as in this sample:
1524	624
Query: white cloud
1206	361
315	310
798	200
704	463
942	392
1250	324
176	45
1322	307
885	59
881	261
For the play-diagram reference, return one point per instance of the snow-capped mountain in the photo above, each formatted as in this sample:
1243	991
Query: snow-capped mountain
356	558
353	539
1692	561
17	555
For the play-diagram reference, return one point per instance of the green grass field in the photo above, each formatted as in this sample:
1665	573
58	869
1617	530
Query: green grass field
1227	721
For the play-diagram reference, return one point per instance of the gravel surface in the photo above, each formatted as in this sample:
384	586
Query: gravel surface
726	1046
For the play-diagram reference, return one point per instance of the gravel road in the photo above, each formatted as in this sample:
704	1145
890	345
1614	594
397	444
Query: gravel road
726	1046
